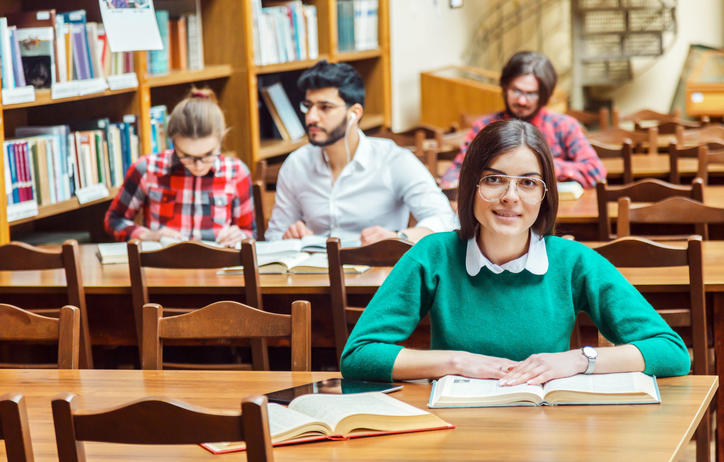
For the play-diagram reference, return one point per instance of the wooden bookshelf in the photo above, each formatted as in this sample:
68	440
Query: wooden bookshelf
229	70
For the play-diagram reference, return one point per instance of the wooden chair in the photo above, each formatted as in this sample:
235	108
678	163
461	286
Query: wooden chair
666	123
647	190
642	141
156	420
18	256
14	428
591	120
678	210
623	151
19	325
635	252
258	193
707	157
383	253
223	321
706	134
195	255
677	152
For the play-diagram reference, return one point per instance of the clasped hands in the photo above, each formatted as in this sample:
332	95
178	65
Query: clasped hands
534	370
228	236
368	235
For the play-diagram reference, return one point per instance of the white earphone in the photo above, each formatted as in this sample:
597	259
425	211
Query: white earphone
351	118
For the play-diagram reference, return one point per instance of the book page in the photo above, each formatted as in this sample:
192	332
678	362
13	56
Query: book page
285	423
458	390
332	409
605	384
284	246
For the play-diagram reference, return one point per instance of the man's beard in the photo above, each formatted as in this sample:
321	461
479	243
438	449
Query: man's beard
513	115
335	135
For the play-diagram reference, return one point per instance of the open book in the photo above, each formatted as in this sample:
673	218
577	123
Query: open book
619	388
311	243
293	262
569	190
317	417
117	252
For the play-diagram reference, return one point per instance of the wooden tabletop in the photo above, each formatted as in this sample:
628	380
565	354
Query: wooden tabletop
562	433
645	165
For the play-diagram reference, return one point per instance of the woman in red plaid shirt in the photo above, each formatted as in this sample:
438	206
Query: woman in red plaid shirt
191	191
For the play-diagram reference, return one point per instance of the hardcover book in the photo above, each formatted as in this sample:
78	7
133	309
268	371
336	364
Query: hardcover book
37	55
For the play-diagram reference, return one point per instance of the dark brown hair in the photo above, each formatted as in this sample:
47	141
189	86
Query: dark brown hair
492	141
535	64
197	116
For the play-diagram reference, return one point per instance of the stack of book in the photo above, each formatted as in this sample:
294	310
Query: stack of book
357	24
53	163
182	43
42	48
286	32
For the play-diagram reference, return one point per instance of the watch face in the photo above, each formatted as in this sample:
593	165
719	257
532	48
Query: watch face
590	352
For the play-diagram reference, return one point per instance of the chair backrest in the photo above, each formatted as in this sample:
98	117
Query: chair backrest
193	255
623	151
636	252
647	190
224	321
713	154
383	253
591	120
14	428
257	192
18	256
706	134
647	141
672	210
156	420
677	152
20	325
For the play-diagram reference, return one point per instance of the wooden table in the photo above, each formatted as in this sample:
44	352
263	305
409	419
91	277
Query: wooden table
563	433
656	166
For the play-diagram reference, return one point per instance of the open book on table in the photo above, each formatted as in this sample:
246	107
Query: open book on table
619	388
569	190
311	243
116	252
317	417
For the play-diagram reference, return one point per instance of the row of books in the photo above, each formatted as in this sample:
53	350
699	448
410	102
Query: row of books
286	120
159	121
40	48
182	43
357	24
286	32
54	163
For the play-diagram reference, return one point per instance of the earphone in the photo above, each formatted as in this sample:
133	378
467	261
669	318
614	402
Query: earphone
350	119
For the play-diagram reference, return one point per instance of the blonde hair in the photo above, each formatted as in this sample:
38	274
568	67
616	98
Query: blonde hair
197	116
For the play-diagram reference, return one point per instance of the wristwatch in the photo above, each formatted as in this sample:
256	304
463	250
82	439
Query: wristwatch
591	354
401	234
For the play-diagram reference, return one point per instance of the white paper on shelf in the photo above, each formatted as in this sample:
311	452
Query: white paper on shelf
22	210
89	86
131	28
91	193
18	95
121	81
64	89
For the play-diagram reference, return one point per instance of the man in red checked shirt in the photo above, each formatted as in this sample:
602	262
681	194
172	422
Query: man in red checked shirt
191	192
528	80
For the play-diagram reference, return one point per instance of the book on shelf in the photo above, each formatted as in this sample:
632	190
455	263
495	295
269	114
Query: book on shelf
158	60
569	190
357	24
6	60
177	43
286	31
159	122
319	417
618	388
282	112
37	55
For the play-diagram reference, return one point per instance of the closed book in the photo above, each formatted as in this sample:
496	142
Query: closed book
38	18
63	162
37	54
6	60
82	67
276	97
158	60
310	16
569	190
319	417
18	70
179	51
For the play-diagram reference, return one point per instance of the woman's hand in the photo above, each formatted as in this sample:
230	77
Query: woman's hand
542	367
480	366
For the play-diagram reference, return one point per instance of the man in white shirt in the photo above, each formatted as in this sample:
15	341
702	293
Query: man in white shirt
346	184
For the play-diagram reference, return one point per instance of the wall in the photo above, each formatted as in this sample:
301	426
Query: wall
699	21
424	35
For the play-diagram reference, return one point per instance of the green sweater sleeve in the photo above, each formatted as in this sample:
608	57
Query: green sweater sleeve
624	316
391	317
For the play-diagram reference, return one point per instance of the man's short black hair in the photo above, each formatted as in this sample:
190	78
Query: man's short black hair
341	76
531	63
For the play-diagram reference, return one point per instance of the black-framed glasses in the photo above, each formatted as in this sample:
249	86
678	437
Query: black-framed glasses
529	95
323	107
207	158
531	190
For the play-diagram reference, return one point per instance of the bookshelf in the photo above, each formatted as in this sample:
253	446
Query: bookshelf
229	69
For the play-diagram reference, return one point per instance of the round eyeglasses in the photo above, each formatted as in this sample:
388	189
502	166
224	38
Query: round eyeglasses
530	190
205	159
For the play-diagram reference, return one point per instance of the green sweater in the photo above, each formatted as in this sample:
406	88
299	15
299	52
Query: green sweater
508	315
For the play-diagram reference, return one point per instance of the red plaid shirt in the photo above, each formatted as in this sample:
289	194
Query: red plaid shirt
172	197
573	156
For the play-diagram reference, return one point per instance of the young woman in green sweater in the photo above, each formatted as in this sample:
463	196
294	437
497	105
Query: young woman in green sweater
502	293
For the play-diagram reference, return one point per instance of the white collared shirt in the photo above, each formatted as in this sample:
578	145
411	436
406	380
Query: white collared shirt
381	185
534	260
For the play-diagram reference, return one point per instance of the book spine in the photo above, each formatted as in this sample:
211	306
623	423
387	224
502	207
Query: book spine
17	62
8	79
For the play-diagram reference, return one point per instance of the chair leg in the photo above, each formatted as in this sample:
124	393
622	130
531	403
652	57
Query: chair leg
703	439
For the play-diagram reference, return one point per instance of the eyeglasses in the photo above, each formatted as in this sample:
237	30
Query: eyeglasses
530	190
529	95
207	158
322	106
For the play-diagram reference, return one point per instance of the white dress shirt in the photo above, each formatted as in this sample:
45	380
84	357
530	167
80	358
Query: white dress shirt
381	185
535	259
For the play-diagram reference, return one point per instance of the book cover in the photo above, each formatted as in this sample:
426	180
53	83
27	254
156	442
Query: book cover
6	63
37	55
62	156
617	388
569	190
277	98
318	417
158	60
38	18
